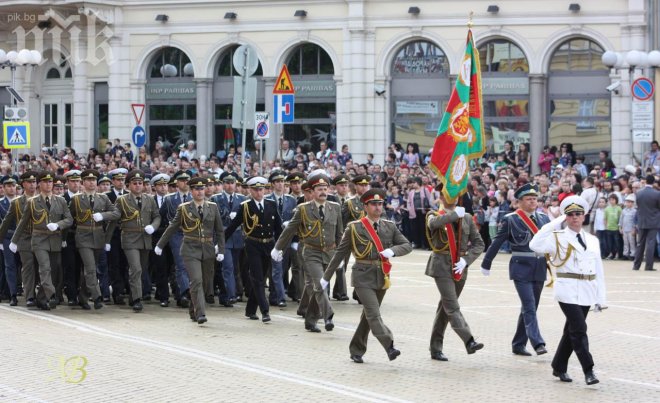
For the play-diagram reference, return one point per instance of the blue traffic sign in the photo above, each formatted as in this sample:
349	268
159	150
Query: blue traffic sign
139	136
283	105
16	134
642	89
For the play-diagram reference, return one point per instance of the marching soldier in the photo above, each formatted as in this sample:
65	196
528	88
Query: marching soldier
161	265
448	266
527	269
319	224
117	263
301	274
104	186
48	216
89	211
295	180
373	241
339	291
11	269
71	265
139	220
580	282
203	239
260	222
353	210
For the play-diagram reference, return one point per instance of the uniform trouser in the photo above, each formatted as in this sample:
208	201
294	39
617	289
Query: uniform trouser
57	277
28	272
449	311
117	267
146	281
339	290
319	303
302	280
11	271
71	269
297	282
574	338
45	260
89	283
200	273
645	248
229	269
137	259
370	319
278	293
161	270
258	255
529	293
102	274
181	274
629	244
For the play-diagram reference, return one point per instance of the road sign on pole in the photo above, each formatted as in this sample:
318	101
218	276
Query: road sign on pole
284	85
245	61
283	108
16	134
642	89
139	136
138	112
261	125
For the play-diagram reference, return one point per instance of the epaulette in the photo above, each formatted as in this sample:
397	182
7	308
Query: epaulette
210	202
288	195
331	202
510	214
243	202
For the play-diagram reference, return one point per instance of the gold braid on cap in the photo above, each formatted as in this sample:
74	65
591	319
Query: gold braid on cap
573	207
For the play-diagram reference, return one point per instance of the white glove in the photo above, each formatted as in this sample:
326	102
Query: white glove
294	245
97	217
220	257
485	272
324	284
232	215
557	222
216	249
276	255
387	253
460	266
158	251
2	246
284	224
149	229
13	247
64	244
52	226
107	247
598	308
460	211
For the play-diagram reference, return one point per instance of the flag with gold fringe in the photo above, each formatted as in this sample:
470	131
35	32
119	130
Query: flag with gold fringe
461	133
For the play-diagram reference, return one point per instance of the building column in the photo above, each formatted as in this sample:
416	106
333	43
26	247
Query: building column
120	116
205	130
538	121
82	105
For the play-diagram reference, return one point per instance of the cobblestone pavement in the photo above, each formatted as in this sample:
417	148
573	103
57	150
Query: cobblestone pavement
160	355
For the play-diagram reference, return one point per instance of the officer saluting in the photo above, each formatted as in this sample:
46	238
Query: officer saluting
260	222
373	241
203	237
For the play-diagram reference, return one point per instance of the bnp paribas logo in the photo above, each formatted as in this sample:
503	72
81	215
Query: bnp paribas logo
85	34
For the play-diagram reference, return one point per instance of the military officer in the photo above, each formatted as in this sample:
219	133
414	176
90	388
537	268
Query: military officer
319	224
353	209
139	220
339	291
203	240
104	186
48	216
58	187
303	296
71	263
526	268
373	241
161	265
11	269
260	222
580	282
448	266
295	180
90	210
117	263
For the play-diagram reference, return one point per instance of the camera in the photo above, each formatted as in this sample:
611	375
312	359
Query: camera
614	87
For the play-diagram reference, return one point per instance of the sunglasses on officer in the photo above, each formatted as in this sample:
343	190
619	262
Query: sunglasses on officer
574	214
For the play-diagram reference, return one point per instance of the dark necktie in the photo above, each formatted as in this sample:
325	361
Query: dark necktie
376	226
261	208
199	210
342	200
139	202
579	238
48	203
279	206
533	218
91	201
231	200
321	214
185	198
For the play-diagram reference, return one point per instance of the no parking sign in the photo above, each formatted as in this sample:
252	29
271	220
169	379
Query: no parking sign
261	126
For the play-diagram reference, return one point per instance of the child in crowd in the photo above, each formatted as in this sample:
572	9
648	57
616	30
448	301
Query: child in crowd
394	204
612	216
627	227
553	210
491	216
599	226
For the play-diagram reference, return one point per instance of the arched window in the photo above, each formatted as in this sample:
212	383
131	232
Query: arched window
420	58
171	63
309	59
226	65
578	103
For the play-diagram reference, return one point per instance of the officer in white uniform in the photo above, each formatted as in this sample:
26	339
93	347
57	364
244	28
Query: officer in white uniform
580	281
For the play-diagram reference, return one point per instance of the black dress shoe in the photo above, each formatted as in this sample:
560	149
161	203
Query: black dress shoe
563	376
201	319
137	306
98	304
210	299
120	301
185	302
590	378
146	297
357	359
106	300
265	317
84	305
252	316
329	325
343	298
52	302
472	346
281	304
13	301
43	306
72	302
438	355
392	353
521	351
313	328
232	301
540	349
227	304
644	270
30	303
164	304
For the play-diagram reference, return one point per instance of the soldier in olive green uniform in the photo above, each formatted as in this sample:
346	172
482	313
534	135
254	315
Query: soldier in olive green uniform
369	277
90	210
442	269
49	216
139	219
203	239
319	225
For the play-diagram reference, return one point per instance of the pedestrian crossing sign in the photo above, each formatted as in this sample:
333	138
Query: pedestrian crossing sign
16	134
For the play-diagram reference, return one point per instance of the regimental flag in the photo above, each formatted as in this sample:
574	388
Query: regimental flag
230	139
461	134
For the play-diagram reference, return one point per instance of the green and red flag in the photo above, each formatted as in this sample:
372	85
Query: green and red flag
461	133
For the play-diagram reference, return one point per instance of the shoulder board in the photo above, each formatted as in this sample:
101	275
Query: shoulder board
210	202
33	198
289	196
243	202
511	214
269	201
185	204
332	203
386	220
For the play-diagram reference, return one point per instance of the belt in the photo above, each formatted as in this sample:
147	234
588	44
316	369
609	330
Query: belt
45	231
197	238
318	247
576	276
132	230
527	254
368	261
89	226
261	240
448	252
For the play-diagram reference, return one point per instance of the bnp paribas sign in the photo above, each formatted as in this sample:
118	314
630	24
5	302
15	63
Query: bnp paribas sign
171	91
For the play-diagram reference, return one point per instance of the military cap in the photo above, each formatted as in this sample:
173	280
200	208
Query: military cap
160	179
8	179
104	178
135	175
29	176
574	204
59	181
198	182
257	182
361	179
118	173
73	175
210	180
306	186
182	175
295	177
277	176
319	171
374	196
45	176
526	190
318	180
339	179
90	174
229	177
